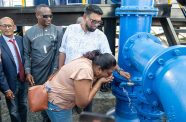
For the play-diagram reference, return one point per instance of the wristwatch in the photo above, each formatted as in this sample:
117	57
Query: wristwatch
119	70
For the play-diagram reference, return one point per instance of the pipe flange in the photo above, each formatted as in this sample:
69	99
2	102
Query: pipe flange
150	72
131	41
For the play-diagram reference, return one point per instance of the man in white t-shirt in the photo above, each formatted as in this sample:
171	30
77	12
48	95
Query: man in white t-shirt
81	38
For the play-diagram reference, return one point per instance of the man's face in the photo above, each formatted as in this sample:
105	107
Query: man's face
44	16
7	27
92	21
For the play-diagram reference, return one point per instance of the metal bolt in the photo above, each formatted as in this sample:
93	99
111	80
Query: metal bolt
126	48
132	41
129	64
150	76
138	78
155	103
176	52
125	57
148	91
161	61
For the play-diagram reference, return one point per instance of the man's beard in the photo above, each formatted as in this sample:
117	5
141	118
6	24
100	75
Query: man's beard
90	29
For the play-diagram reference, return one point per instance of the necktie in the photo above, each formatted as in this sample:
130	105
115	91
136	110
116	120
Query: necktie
21	68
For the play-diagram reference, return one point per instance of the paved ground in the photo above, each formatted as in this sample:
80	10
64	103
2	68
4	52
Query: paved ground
102	103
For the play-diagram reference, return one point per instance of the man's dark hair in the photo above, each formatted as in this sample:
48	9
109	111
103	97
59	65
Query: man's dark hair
93	9
40	6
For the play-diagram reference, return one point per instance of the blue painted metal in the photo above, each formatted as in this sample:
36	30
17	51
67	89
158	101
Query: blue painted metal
94	1
135	16
163	82
139	54
157	87
124	110
131	104
116	1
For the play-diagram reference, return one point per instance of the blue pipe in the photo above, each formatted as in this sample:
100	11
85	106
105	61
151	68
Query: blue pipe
163	87
170	89
135	16
141	53
157	86
162	75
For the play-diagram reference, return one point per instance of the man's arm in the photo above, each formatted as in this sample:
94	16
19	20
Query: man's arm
62	49
4	87
62	57
27	51
27	58
59	40
3	83
122	72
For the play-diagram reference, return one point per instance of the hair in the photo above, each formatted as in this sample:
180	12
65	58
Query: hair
1	19
93	9
40	6
105	60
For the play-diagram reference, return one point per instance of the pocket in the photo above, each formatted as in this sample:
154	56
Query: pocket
53	107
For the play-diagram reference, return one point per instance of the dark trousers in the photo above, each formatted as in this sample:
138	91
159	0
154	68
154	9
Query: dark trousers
45	116
88	108
18	106
0	110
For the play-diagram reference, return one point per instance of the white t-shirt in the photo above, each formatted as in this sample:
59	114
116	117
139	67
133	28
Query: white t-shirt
76	42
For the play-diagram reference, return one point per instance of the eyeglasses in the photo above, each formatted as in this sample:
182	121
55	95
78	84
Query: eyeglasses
47	16
95	22
7	26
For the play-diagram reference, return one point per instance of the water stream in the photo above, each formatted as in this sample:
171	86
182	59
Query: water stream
129	100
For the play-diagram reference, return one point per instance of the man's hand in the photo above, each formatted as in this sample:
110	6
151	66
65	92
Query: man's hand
9	94
30	79
124	74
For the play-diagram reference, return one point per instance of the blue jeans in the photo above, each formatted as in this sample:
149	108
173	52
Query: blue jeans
18	106
57	114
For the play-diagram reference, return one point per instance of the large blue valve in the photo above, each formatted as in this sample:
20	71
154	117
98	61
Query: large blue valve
156	89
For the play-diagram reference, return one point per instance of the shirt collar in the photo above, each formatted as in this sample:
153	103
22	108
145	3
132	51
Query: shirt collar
7	38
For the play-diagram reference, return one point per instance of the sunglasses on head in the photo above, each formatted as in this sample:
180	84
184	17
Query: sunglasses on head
47	16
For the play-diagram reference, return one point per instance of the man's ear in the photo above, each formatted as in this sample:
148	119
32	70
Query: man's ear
37	15
14	27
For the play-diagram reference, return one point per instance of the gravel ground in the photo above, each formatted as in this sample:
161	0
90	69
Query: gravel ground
101	104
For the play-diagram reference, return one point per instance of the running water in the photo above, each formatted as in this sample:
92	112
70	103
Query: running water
130	103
